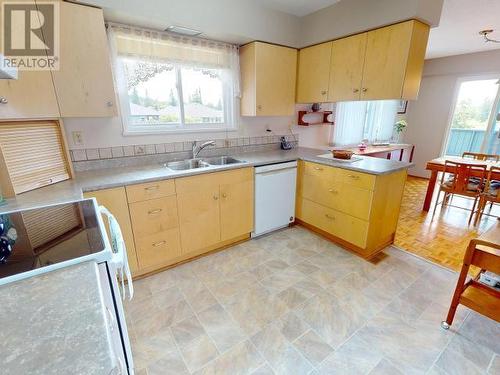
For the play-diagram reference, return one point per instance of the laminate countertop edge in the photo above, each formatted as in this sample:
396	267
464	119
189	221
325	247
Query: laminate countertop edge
72	190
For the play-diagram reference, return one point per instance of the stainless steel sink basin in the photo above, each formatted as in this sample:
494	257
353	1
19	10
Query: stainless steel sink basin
222	160
184	165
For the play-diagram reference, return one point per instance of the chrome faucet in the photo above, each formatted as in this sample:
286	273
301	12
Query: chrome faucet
197	149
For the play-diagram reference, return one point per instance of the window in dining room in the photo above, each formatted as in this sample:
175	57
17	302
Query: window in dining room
474	123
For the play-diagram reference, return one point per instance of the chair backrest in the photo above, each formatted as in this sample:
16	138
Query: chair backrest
464	175
477	156
493	185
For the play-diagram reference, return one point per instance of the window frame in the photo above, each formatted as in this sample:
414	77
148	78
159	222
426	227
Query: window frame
230	107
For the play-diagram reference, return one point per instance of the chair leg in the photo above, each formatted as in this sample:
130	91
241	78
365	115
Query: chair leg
436	204
473	210
480	210
456	298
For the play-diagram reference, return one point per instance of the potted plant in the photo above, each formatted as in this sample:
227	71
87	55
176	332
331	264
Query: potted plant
399	128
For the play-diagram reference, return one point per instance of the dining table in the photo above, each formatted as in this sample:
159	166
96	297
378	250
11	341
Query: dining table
438	165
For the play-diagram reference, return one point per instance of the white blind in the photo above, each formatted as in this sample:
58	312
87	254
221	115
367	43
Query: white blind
167	47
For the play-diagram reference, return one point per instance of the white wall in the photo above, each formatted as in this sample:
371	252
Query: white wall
354	16
429	116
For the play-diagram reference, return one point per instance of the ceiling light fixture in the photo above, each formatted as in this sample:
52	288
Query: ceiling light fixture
183	30
487	39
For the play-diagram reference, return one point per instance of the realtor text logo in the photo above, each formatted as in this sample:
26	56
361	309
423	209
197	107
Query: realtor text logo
30	35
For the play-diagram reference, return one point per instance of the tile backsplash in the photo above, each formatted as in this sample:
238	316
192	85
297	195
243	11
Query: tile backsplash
107	157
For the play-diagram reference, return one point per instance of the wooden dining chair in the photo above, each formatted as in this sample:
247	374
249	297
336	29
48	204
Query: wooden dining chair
478	156
491	194
462	179
484	253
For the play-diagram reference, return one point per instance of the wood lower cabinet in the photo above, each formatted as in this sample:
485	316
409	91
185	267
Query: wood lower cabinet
115	200
214	208
358	210
158	250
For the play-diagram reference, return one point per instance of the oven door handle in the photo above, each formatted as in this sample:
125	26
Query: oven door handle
119	252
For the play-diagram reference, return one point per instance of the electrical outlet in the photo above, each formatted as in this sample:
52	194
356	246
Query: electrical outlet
77	137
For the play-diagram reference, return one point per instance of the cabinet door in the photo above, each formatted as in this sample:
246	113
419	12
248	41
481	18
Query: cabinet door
236	207
385	62
314	73
115	200
30	96
346	74
84	82
198	207
276	72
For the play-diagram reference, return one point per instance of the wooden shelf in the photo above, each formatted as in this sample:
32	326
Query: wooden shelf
301	115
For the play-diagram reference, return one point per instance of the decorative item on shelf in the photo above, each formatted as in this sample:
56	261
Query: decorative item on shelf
362	146
400	127
314	117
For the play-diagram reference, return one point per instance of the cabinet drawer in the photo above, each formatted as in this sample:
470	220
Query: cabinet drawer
321	190
362	180
318	215
350	229
152	190
154	216
354	201
320	170
158	249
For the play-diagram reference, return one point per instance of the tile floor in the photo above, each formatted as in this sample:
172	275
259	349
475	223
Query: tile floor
294	303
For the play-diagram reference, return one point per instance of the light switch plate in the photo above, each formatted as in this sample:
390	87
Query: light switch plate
77	137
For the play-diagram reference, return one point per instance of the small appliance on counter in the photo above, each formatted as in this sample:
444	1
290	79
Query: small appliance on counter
40	240
285	145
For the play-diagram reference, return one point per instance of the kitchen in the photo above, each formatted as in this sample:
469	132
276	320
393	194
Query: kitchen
180	215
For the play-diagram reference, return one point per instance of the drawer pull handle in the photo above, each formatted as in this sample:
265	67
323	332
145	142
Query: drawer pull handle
150	188
333	191
318	168
154	212
159	243
354	177
329	217
355	90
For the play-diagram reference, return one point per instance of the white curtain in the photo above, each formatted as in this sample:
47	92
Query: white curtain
349	123
371	120
159	46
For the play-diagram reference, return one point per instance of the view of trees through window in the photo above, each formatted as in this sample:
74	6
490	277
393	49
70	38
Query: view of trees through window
471	115
154	91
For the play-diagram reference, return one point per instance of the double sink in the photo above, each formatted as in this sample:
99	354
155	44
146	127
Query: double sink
188	164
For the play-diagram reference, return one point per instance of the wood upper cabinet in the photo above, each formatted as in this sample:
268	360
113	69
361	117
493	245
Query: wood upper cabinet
268	76
313	75
394	61
385	63
31	95
84	82
115	200
346	74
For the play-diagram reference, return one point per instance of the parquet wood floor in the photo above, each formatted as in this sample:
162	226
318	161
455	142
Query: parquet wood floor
442	239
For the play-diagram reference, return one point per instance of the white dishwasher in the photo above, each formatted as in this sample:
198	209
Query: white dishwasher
275	187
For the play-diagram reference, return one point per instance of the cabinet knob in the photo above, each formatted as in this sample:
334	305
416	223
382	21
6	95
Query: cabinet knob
329	217
216	197
354	177
318	169
333	191
224	195
259	107
355	90
3	100
109	103
364	89
323	92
